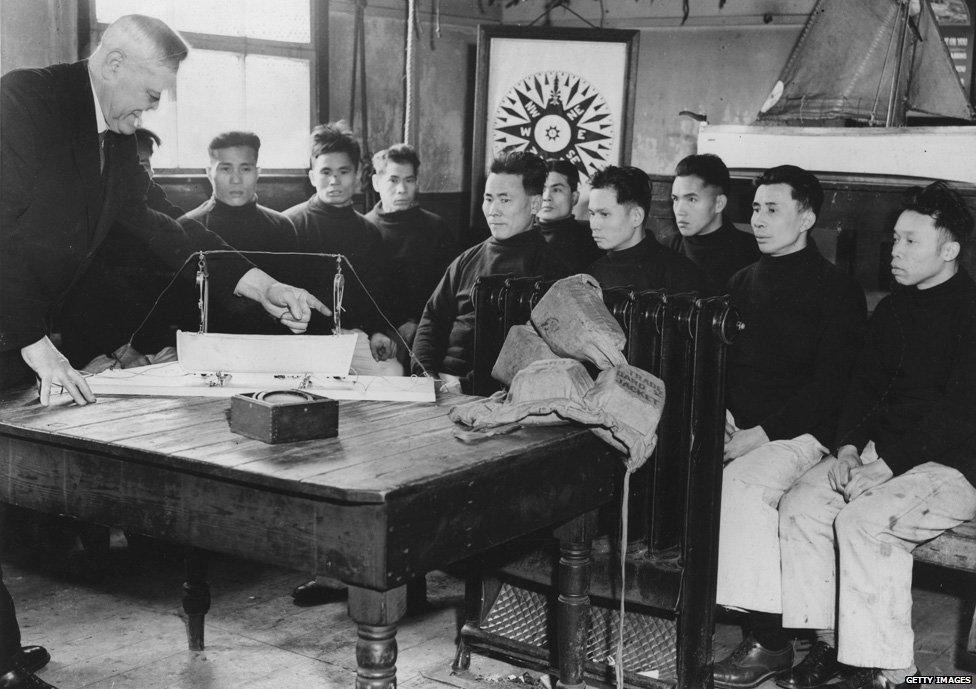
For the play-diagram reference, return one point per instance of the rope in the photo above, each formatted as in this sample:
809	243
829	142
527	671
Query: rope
618	666
564	5
357	18
410	69
369	194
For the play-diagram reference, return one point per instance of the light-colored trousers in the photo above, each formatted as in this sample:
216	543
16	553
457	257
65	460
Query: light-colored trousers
748	546
874	536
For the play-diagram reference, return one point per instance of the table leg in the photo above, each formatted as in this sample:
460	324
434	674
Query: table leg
196	596
376	613
573	603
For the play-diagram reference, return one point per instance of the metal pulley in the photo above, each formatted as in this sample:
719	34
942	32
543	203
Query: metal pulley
338	290
203	291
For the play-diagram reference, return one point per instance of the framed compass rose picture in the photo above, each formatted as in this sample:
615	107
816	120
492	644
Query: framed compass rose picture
557	92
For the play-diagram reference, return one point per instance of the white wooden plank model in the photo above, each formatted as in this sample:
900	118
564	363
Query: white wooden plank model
170	380
210	352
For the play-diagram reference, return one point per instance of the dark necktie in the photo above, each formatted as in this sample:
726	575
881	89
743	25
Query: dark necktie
101	151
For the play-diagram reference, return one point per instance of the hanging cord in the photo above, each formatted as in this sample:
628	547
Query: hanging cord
366	177
409	67
357	21
338	288
565	5
435	11
358	95
618	666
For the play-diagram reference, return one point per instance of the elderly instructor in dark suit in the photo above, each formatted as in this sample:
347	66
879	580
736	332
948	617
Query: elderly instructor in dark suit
68	170
59	195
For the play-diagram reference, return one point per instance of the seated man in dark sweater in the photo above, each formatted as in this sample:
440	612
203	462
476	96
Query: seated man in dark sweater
233	213
905	463
94	337
513	194
787	371
699	194
568	237
418	242
328	223
620	199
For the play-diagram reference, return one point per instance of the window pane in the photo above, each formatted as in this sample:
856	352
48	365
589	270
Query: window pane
210	16
163	123
107	11
209	100
278	106
219	91
281	20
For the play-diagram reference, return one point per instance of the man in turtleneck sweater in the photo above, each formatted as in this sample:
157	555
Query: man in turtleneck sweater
786	375
569	238
620	199
233	213
419	243
328	223
699	195
513	194
905	464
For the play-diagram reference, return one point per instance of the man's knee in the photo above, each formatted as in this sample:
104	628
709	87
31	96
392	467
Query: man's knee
799	502
859	520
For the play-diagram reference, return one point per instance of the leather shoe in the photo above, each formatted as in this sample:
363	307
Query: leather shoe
316	593
867	678
19	679
819	667
31	658
751	664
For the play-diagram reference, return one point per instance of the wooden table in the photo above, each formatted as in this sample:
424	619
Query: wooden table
393	496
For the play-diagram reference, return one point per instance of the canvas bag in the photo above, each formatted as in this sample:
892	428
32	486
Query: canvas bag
631	402
622	408
573	320
522	346
544	393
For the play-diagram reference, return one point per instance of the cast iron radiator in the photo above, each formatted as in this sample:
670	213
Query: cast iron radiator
674	517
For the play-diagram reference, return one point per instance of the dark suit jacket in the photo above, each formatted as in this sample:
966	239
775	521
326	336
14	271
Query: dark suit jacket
56	206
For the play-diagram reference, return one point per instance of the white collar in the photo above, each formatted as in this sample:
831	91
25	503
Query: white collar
100	122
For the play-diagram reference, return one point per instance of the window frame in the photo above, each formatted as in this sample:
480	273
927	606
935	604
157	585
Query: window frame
316	51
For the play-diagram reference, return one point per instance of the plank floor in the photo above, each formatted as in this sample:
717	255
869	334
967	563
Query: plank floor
121	627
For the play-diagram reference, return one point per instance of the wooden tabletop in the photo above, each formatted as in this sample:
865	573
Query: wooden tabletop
383	450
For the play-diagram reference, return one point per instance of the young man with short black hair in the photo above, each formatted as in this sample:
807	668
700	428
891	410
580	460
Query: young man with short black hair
513	194
620	199
787	371
699	196
328	223
904	469
233	213
568	237
419	243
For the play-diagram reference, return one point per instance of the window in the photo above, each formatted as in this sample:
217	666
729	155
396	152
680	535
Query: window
251	67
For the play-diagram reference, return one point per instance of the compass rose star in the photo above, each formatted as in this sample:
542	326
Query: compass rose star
556	114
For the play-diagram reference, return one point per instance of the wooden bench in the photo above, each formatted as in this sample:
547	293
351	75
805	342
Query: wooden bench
672	553
660	577
955	549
